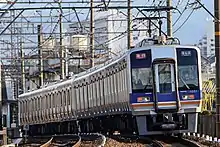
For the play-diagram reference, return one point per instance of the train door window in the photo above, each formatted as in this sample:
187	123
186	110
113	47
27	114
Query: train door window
93	93
78	99
52	100
68	97
29	105
117	85
90	94
108	89
165	82
85	95
81	94
97	92
120	86
38	100
75	98
49	100
109	82
111	88
44	101
64	97
126	82
40	106
60	98
57	99
101	84
123	82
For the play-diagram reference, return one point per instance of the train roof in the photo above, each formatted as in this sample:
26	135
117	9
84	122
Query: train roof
76	77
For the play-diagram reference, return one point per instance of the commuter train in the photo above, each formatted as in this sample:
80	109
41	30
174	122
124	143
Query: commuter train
151	89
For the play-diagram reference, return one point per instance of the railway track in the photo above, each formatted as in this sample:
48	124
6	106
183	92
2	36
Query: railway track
153	141
92	140
69	140
35	141
172	141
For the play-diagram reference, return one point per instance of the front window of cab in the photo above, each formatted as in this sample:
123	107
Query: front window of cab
187	64
141	74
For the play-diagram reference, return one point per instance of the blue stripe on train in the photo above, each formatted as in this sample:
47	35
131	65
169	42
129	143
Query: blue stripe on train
134	96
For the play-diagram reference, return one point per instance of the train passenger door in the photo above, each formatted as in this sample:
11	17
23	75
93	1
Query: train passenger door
165	89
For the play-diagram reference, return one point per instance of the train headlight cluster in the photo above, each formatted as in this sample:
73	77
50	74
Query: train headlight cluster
143	99
189	97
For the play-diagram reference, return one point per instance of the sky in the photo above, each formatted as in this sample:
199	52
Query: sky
197	25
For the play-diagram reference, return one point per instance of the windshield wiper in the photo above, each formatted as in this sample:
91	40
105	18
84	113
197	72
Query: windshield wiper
147	85
184	83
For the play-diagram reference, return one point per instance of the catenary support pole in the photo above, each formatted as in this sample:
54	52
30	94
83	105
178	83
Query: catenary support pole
91	34
41	75
169	19
217	54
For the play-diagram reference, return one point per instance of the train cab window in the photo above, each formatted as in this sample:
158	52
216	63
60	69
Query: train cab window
141	71
187	64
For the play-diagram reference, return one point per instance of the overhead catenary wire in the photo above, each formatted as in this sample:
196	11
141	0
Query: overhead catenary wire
184	22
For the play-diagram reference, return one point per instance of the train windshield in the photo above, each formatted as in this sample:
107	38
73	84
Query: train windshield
187	64
141	73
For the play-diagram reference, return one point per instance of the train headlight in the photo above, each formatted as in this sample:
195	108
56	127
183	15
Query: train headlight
143	99
189	97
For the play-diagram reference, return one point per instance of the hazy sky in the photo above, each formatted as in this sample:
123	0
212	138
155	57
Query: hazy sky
197	25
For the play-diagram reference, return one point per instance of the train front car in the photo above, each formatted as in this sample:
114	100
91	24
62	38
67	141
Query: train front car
165	93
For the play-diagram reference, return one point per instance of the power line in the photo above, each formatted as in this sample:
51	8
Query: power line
184	22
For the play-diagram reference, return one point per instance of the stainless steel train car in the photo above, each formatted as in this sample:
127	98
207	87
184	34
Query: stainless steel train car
157	87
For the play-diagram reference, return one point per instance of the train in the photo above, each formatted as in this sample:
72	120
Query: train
151	89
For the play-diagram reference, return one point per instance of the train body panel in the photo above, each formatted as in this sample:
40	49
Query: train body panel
113	89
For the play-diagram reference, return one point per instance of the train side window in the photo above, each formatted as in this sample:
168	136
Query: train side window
68	97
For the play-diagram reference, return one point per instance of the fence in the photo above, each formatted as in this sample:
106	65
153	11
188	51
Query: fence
207	124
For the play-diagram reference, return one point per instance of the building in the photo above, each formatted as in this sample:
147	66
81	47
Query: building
207	42
110	32
207	46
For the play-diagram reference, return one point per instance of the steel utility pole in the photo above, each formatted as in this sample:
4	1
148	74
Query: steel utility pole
169	19
217	55
129	25
22	67
91	34
62	64
41	75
